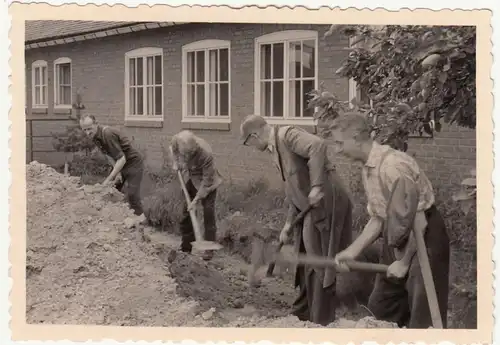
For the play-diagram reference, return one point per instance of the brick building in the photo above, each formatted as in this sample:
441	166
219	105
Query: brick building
154	79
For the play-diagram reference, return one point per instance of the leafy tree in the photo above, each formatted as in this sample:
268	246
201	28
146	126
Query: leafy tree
73	139
414	76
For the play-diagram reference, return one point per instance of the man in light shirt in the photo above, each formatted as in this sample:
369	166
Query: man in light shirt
193	157
310	179
400	198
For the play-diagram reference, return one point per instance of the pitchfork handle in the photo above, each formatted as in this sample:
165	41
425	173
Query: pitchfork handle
300	216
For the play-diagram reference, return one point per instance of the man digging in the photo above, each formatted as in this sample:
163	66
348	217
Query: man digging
193	156
310	179
400	199
127	162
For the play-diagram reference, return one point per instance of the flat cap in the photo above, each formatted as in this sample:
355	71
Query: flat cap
251	124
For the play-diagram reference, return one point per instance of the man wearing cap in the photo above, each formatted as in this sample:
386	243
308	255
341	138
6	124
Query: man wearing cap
127	162
193	157
400	199
310	178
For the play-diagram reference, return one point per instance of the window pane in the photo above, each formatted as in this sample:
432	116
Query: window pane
214	99
158	79
200	65
190	67
277	99
278	59
44	76
131	71
265	61
307	86
44	94
224	64
149	100
140	71
190	100
140	101
213	71
293	97
149	70
37	75
294	60
132	98
224	99
37	95
200	100
265	98
65	70
67	94
308	59
158	101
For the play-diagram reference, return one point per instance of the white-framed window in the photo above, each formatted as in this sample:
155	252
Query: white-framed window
62	83
39	84
144	84
286	69
206	81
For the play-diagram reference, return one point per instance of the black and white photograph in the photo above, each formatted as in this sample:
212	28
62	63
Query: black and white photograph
251	175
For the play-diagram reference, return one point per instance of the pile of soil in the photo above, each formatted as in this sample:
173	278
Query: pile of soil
90	262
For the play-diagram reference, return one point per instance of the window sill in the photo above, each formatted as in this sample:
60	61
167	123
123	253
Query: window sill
148	123
63	106
206	124
62	111
39	110
307	124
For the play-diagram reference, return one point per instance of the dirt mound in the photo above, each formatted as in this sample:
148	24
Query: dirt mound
83	262
89	262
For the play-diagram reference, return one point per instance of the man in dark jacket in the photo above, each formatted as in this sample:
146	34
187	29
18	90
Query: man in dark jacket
127	162
309	178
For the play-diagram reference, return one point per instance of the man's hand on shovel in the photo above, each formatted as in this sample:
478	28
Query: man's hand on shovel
315	195
193	204
342	259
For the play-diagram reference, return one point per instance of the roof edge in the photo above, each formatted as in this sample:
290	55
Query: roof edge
58	37
99	33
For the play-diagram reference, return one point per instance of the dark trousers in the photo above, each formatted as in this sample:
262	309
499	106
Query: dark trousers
133	176
314	303
405	301
186	226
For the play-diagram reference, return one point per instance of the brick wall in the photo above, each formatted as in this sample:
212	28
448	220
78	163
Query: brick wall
98	65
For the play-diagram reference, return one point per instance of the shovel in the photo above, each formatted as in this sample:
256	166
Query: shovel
317	261
299	217
200	243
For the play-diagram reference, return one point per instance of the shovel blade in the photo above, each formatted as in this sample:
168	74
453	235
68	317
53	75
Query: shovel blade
206	245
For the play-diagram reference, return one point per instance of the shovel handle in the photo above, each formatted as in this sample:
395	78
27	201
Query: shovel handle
300	216
320	261
192	214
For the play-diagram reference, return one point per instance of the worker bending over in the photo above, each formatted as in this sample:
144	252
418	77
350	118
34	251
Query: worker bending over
309	178
192	156
127	161
400	198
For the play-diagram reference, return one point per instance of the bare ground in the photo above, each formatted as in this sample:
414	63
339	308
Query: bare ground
88	262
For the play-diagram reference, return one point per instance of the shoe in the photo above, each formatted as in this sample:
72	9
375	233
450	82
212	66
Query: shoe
185	249
207	255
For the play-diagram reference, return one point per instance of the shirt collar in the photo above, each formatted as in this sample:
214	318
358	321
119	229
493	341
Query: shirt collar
375	154
98	133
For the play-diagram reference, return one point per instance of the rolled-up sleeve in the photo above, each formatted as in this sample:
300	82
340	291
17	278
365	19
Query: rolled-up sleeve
111	143
403	198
